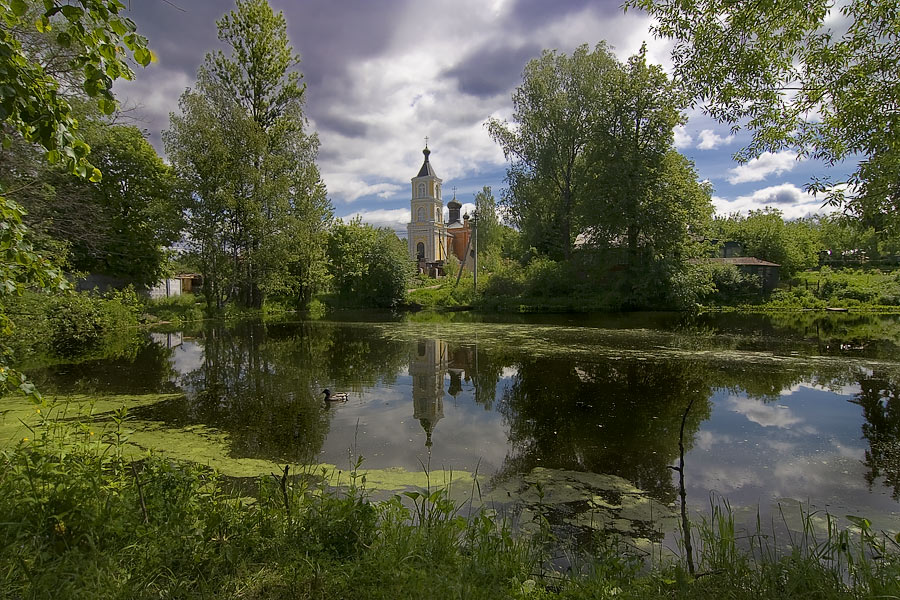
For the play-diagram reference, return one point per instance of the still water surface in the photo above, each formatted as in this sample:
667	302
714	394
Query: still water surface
801	409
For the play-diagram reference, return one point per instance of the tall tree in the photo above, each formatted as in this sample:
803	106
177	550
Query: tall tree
259	216
630	161
552	127
813	76
117	226
489	227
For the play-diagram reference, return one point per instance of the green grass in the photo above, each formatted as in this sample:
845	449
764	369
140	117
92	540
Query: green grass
184	308
80	520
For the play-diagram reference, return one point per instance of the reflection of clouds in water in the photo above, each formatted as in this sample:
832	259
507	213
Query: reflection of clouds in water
782	446
509	372
850	389
388	434
767	415
726	479
705	440
187	357
819	476
847	451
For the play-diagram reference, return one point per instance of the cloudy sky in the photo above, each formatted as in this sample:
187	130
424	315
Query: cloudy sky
383	74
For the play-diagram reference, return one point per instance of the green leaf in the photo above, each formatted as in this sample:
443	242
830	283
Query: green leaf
142	56
18	7
860	522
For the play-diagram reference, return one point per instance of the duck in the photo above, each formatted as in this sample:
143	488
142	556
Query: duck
335	396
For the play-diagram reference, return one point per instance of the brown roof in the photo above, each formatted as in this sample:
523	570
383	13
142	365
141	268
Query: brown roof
745	260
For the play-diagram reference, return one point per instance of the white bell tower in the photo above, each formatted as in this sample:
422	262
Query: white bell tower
426	230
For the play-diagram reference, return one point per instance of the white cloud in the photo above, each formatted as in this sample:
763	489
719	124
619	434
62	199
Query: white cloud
709	140
395	219
682	138
792	201
767	415
350	188
768	163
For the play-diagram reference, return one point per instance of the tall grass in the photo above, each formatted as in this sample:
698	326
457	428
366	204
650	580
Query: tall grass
82	519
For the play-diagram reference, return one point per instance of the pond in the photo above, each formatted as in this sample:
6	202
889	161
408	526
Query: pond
581	413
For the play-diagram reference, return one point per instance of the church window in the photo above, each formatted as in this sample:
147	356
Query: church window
420	214
437	215
421	190
438	188
420	250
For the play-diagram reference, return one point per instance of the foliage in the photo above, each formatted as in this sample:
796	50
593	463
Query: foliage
71	324
259	212
489	227
86	523
31	105
732	286
32	108
555	109
814	77
184	308
120	225
764	234
593	161
369	266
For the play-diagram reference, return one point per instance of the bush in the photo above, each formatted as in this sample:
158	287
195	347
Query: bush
733	286
547	278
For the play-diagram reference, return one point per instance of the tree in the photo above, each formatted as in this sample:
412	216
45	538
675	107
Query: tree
368	266
488	221
31	107
554	107
120	225
765	235
260	211
802	75
646	198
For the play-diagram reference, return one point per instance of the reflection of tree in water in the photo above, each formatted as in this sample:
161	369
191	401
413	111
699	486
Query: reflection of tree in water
619	417
261	383
147	371
880	402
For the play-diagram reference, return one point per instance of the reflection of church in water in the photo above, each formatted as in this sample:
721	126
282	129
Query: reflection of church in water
429	363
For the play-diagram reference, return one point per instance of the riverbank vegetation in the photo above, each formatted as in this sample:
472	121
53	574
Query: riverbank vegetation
83	519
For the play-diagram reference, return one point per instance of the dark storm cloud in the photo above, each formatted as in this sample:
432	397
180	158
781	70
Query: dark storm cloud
180	33
492	69
783	197
345	126
528	15
327	36
330	35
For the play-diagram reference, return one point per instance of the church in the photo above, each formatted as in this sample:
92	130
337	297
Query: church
431	240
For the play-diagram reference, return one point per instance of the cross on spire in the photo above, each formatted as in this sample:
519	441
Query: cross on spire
426	141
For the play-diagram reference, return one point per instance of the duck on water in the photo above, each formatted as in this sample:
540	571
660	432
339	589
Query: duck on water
335	396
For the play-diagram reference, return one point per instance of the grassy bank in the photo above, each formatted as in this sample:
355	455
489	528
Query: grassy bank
551	290
81	520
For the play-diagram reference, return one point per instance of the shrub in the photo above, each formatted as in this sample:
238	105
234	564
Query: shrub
733	286
547	278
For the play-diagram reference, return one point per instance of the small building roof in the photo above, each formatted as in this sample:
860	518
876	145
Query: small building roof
745	260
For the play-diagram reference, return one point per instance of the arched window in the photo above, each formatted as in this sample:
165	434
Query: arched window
438	190
420	250
421	190
420	214
437	215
